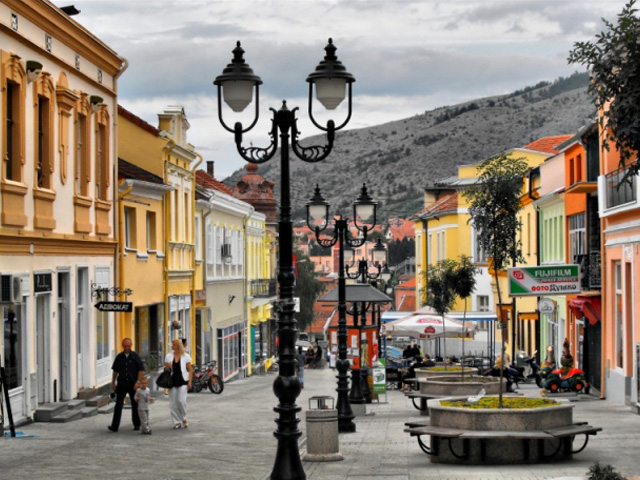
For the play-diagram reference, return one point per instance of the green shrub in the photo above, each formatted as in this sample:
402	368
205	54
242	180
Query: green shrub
598	471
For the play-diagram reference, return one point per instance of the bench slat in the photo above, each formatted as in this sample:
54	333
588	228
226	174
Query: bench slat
573	430
435	431
497	434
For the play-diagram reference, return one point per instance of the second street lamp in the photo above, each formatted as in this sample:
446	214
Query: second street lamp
360	387
236	85
364	218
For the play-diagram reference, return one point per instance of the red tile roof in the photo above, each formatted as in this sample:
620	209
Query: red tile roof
446	203
400	228
138	121
207	181
547	144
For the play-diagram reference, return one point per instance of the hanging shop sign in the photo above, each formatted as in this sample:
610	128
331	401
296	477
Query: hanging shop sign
41	282
540	281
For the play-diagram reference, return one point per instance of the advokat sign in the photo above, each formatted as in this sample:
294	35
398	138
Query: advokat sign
540	281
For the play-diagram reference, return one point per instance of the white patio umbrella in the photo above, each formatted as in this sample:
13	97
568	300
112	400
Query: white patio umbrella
429	327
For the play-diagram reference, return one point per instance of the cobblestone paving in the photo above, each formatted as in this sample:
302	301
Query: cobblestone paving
230	436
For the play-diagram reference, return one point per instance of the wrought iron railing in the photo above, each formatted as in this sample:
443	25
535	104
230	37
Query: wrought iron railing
265	287
590	270
620	189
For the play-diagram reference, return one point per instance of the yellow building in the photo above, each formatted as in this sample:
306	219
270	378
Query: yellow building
180	163
141	236
444	232
58	109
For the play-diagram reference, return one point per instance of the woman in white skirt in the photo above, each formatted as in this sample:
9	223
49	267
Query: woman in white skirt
179	363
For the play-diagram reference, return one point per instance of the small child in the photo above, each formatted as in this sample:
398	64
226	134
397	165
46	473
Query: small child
144	398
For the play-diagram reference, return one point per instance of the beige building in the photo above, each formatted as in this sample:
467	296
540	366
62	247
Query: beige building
57	204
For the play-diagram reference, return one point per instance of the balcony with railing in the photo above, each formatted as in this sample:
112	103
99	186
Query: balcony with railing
262	288
590	269
620	189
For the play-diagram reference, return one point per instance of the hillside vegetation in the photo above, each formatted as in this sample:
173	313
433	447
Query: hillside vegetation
398	159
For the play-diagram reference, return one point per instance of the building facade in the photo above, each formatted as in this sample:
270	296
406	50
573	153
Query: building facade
57	204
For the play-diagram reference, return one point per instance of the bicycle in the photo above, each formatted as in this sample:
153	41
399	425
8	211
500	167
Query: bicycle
207	376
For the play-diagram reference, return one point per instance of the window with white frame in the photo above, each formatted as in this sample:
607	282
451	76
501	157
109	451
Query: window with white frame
429	249
483	306
577	236
619	316
210	251
129	227
152	244
198	242
480	254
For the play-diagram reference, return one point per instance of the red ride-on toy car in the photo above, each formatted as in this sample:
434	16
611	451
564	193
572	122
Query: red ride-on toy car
573	381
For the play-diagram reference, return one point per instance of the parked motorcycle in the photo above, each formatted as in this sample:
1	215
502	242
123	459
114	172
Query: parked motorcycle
535	369
207	376
573	380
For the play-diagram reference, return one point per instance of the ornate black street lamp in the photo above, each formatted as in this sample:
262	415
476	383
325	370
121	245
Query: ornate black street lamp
364	218
359	386
236	85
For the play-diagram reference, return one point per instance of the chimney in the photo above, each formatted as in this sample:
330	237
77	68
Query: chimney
210	167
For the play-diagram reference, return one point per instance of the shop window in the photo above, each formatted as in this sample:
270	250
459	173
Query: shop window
13	330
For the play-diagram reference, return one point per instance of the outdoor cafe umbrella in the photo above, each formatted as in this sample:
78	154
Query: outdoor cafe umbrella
429	327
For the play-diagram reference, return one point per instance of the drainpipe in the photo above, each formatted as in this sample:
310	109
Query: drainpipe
193	241
538	338
120	263
245	218
166	150
425	262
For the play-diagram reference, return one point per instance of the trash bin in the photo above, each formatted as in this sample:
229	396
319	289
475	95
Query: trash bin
322	431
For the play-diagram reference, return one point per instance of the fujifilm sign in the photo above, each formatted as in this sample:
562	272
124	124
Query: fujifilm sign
543	281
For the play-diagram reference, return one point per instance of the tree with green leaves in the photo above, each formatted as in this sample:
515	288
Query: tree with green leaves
465	284
494	204
441	280
614	63
447	280
308	288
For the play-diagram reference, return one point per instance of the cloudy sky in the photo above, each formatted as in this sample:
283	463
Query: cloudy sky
408	56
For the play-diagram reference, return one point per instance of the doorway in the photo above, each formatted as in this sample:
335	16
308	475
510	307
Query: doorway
64	334
43	344
82	328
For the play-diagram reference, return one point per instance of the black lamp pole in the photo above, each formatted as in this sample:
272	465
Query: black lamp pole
318	211
236	84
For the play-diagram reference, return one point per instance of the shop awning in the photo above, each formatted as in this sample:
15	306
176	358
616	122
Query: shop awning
586	307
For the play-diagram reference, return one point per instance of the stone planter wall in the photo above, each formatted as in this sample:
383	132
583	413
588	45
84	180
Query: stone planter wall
439	386
423	373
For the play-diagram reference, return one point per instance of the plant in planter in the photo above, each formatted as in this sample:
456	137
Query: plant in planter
465	284
492	402
494	203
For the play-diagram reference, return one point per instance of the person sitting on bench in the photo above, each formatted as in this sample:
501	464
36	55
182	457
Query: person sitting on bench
411	372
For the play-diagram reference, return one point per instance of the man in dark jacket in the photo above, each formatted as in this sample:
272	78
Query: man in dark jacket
127	373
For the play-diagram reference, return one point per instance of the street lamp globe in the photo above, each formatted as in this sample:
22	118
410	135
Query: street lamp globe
364	210
385	274
237	82
317	211
379	252
330	78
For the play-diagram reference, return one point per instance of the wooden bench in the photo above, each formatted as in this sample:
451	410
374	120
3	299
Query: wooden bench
565	436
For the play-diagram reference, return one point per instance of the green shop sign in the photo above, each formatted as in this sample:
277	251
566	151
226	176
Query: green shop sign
541	281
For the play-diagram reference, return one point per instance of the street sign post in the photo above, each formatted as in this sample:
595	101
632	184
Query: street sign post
544	281
125	307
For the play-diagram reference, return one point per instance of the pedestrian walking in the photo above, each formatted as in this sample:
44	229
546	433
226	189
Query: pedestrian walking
302	357
144	398
127	372
179	363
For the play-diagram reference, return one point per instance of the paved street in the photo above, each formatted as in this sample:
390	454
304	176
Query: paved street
231	437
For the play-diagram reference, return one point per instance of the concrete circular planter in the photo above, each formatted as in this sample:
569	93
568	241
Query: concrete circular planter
454	385
429	372
504	450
